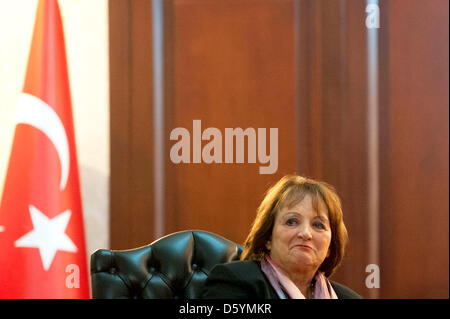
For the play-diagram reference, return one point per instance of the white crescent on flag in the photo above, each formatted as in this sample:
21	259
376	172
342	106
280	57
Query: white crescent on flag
35	112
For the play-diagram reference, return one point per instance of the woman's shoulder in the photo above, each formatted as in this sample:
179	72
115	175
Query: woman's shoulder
238	279
241	267
240	264
344	292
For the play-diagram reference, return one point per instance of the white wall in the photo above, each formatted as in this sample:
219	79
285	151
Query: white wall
86	33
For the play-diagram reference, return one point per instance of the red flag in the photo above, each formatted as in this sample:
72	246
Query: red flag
42	245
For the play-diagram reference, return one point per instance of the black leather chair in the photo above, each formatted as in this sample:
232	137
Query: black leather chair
174	266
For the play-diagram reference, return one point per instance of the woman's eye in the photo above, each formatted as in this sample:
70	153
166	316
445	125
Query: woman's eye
319	225
291	221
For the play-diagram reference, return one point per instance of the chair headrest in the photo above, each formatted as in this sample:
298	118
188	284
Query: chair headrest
174	266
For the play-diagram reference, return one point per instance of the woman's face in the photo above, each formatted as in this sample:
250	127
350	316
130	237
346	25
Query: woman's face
301	236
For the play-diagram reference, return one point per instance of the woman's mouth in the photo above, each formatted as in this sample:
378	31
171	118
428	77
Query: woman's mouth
303	246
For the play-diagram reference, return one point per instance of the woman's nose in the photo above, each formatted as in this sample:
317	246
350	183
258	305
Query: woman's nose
304	232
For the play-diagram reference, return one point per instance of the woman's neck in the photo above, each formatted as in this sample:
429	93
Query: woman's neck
304	280
304	283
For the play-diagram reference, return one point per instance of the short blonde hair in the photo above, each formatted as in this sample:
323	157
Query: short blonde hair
287	192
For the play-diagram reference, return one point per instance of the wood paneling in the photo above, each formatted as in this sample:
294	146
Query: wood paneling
299	66
333	116
414	215
131	188
413	138
233	66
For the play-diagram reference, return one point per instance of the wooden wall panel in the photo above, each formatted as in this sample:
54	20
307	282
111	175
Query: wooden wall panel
413	136
333	117
353	181
414	234
299	66
233	66
131	184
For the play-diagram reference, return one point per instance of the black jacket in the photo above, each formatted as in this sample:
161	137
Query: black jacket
245	280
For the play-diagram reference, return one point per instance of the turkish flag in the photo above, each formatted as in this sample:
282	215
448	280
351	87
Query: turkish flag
42	244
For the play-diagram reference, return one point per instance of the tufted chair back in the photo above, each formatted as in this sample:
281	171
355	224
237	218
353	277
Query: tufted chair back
174	266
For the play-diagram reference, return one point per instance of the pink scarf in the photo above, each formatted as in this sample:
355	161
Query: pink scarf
285	288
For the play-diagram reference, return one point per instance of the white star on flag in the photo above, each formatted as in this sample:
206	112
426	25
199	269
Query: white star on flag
48	235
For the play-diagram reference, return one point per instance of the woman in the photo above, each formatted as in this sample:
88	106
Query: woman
296	242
